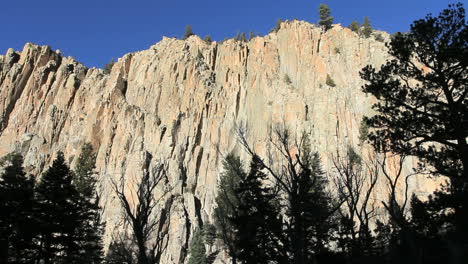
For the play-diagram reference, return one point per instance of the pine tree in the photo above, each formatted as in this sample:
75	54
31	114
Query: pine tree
108	66
299	195
257	224
354	26
58	214
188	32
227	201
326	20
366	28
318	208
427	118
91	229
197	249
17	226
251	35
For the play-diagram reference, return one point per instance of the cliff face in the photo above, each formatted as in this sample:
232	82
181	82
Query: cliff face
179	101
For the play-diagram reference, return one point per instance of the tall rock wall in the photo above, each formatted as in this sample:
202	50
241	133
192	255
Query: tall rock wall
179	102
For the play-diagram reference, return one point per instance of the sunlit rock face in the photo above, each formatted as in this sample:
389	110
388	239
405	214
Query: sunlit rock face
179	102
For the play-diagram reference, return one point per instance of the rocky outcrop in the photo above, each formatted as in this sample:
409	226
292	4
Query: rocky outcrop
179	102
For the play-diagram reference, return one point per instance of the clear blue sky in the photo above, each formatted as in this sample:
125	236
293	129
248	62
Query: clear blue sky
95	31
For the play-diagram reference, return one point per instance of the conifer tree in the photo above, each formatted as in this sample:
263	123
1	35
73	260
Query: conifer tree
354	26
257	224
58	214
251	35
197	249
366	28
188	32
227	201
17	226
91	229
422	111
326	20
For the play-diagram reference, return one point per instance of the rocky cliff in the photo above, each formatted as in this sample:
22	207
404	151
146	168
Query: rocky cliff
179	101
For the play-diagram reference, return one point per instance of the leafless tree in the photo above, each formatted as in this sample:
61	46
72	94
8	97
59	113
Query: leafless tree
295	169
392	168
147	212
355	183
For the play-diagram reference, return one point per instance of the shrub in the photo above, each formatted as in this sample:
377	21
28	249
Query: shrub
330	82
286	79
277	25
379	37
363	131
337	50
208	38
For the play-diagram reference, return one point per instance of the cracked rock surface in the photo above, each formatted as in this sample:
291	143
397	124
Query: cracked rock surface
179	102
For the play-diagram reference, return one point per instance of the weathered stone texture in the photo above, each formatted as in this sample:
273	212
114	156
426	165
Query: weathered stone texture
179	101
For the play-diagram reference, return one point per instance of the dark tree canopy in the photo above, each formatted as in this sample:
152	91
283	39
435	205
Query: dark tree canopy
227	201
326	20
354	26
16	219
423	106
188	32
422	111
58	213
90	228
366	30
197	249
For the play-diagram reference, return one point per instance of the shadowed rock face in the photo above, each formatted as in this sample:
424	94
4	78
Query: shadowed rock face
179	101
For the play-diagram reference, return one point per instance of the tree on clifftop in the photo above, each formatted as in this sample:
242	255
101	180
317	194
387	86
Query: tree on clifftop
326	20
188	32
354	26
366	28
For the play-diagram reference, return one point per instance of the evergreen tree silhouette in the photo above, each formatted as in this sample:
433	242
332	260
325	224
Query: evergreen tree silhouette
326	20
366	30
197	249
227	201
17	223
423	112
91	228
257	223
58	214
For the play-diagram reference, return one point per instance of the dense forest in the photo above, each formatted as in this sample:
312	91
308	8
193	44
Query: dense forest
283	207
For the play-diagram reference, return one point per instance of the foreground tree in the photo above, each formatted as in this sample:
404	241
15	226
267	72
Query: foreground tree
197	249
423	109
146	214
299	185
257	223
91	228
355	183
326	20
58	214
17	224
227	201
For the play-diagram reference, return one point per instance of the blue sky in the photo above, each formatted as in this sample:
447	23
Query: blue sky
95	31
